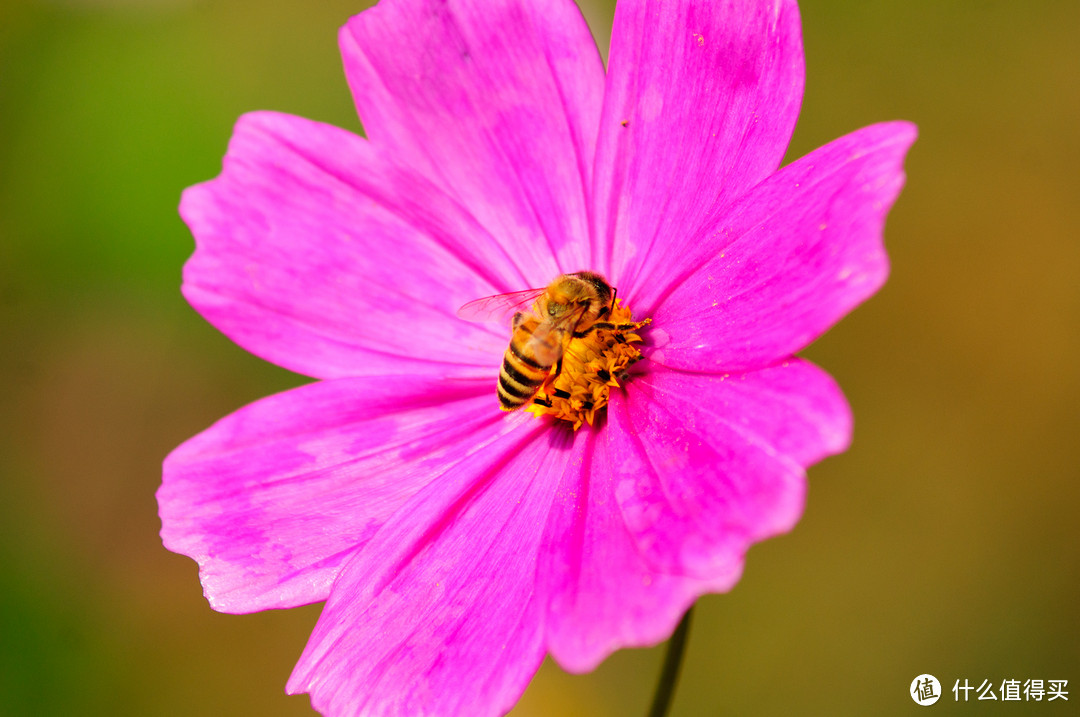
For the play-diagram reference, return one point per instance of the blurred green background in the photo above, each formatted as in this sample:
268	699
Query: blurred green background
945	541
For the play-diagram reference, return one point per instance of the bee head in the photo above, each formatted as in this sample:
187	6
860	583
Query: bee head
594	286
582	294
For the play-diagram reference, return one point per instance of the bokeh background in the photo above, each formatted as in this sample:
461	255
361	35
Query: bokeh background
946	541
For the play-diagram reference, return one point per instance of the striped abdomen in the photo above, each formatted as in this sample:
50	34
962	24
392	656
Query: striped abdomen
527	363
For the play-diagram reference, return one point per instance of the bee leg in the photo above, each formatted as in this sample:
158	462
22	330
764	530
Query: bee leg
586	332
518	318
612	327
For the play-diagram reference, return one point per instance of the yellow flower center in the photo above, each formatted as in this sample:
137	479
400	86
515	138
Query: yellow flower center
592	364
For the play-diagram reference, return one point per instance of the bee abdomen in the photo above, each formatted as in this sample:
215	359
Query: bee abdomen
519	379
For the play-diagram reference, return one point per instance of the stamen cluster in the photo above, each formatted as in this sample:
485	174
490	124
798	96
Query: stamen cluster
593	363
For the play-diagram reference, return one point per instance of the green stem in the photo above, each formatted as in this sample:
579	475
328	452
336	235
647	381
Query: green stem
669	675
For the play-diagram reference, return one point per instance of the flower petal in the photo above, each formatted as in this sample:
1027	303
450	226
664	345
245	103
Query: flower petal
498	101
317	252
794	256
604	593
695	486
271	500
700	104
438	613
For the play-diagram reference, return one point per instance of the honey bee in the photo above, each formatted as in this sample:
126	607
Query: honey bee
570	307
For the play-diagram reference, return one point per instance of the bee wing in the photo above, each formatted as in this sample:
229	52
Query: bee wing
546	343
501	307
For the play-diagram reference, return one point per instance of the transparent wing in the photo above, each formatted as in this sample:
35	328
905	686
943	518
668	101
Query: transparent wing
546	344
501	307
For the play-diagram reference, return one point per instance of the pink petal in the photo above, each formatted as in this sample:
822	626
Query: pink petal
317	252
794	256
694	484
604	593
794	407
701	101
498	101
438	613
273	499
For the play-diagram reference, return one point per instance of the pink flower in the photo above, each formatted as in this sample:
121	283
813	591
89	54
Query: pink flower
455	545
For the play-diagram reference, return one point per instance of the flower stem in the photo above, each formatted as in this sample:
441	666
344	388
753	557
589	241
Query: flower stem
669	674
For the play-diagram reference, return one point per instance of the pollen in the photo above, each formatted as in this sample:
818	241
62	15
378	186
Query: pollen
594	362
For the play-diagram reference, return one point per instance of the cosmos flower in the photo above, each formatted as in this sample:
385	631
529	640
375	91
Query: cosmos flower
456	544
